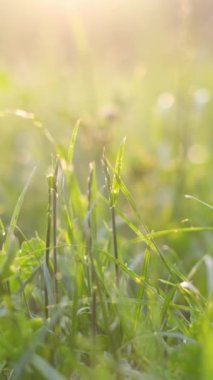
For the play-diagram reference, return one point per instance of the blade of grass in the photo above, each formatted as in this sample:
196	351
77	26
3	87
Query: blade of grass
168	299
54	221
158	234
8	247
16	213
199	200
45	369
149	241
141	290
117	172
47	243
72	143
112	206
91	241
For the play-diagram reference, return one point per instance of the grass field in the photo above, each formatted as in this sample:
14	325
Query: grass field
106	190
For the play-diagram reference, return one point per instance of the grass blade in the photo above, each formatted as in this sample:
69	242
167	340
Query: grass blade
199	200
117	172
16	213
45	369
72	143
141	289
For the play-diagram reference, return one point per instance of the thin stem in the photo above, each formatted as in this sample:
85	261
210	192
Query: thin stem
54	217
112	205
47	251
93	311
115	244
48	233
90	253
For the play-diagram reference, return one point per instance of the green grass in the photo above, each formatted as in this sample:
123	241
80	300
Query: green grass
101	297
106	242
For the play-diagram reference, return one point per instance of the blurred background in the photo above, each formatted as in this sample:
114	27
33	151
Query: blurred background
141	69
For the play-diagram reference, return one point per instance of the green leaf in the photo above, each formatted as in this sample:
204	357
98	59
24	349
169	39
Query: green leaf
45	369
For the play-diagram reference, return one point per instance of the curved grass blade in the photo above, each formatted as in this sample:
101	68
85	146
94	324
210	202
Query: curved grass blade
199	200
158	234
8	248
72	143
16	212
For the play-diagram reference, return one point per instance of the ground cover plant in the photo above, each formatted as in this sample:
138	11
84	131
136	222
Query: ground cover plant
81	304
106	241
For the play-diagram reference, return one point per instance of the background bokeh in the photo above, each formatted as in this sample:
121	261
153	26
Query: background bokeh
141	69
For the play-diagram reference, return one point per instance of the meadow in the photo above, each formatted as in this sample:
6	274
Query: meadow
106	190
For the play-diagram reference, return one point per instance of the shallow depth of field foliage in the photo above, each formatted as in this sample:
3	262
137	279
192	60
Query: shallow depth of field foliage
106	207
